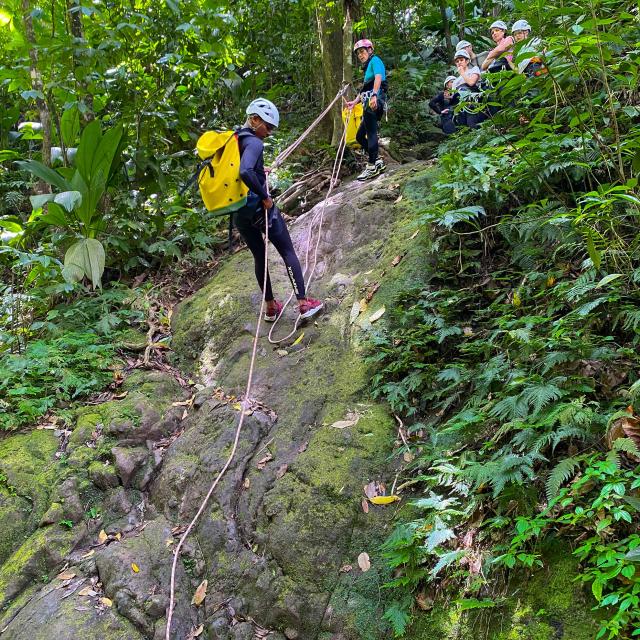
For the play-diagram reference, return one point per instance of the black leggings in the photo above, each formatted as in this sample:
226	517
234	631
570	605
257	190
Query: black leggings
250	223
367	134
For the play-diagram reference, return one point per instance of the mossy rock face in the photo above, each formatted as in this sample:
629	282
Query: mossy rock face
55	613
27	468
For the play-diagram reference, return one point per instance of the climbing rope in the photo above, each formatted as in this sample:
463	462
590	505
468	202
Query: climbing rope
244	404
315	226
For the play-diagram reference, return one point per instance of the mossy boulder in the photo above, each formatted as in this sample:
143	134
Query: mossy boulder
27	469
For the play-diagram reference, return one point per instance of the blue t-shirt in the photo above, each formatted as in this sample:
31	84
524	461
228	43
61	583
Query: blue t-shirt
374	68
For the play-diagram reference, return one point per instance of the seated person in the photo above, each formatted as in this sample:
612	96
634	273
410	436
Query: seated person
501	56
532	65
468	47
467	84
443	105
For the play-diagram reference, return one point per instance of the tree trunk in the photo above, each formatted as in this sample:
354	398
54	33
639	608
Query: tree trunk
330	20
77	31
37	84
462	18
447	29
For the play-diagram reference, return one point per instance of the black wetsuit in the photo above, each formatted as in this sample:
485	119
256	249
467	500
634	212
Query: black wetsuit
249	220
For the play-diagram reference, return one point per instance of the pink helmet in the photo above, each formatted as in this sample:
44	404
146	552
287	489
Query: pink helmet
363	44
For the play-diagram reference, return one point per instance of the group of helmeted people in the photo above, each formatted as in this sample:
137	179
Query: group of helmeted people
460	103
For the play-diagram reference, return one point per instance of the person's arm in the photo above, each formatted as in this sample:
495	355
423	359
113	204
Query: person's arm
470	78
435	104
504	45
377	83
248	162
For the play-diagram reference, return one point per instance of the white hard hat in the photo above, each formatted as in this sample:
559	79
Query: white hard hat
499	24
265	109
461	54
462	44
520	25
448	79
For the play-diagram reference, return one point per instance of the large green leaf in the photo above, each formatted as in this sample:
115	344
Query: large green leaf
84	258
70	125
45	173
93	163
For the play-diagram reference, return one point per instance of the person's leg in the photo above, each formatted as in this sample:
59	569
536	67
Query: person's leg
281	240
370	121
361	135
243	219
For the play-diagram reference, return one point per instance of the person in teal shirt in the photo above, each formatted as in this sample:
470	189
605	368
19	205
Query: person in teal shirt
373	96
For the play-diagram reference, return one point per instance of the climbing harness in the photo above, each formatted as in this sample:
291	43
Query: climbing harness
244	404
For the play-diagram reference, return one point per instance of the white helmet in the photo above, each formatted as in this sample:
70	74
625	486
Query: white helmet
520	25
461	54
462	44
448	79
499	24
265	109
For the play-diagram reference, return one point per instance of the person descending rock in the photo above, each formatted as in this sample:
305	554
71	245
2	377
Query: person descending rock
500	58
467	84
443	104
263	117
531	64
373	95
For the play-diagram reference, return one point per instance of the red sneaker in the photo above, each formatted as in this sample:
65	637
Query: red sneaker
309	307
274	309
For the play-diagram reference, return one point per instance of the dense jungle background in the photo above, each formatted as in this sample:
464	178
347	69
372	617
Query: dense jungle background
490	401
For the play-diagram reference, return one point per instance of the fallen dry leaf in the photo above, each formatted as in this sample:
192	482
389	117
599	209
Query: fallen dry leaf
135	567
195	632
168	542
247	483
373	489
415	233
363	562
407	456
118	536
107	602
102	537
365	505
363	305
87	591
88	554
183	403
66	575
343	424
625	427
468	331
119	396
424	601
355	312
384	499
398	199
345	568
282	470
396	261
282	353
303	447
372	290
377	315
200	594
262	463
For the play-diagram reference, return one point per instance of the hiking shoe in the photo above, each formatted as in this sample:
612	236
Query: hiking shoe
274	309
369	172
309	307
380	166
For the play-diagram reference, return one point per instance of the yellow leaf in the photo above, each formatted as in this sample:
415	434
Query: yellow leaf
517	300
106	602
550	281
298	340
168	542
87	591
102	537
200	594
384	499
135	567
118	536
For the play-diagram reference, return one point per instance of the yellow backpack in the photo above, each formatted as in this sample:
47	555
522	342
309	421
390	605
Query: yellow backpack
218	174
354	123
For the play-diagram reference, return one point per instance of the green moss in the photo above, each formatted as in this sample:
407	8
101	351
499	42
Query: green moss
27	468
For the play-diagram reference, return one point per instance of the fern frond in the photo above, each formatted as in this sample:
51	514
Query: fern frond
562	472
